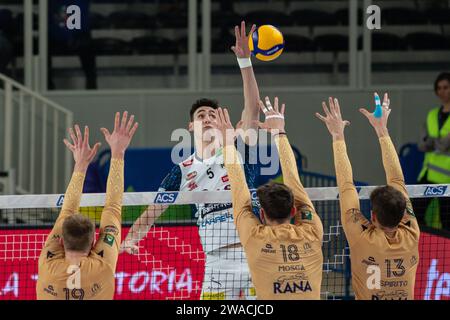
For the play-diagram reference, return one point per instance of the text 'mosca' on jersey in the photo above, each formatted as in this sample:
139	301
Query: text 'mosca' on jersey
166	197
435	191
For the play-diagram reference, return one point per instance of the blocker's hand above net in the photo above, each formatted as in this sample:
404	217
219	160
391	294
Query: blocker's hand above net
120	138
274	117
225	127
82	152
333	119
379	121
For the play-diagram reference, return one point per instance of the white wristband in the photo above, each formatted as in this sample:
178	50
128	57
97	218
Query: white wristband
276	116
244	62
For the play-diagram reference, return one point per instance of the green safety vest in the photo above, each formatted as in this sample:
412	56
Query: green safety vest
436	165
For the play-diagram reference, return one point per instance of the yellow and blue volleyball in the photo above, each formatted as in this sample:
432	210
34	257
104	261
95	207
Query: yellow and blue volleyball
266	43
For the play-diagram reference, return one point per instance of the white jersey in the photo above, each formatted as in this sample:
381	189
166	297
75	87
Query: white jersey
215	221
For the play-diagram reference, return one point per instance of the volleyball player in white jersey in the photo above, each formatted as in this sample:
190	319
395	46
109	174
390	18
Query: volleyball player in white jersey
226	270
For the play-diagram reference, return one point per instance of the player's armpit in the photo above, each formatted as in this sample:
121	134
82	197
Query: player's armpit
354	224
409	219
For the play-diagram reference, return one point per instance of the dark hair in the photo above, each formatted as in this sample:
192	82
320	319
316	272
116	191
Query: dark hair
276	199
443	76
78	233
203	103
389	205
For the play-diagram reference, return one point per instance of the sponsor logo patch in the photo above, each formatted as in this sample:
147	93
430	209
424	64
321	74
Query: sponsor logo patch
111	229
108	239
188	163
191	175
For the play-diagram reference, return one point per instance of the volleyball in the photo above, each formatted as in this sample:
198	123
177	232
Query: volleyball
266	43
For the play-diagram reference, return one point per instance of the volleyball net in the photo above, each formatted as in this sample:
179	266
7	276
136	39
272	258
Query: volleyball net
171	260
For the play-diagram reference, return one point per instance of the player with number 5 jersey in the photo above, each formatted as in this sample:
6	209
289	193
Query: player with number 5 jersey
226	271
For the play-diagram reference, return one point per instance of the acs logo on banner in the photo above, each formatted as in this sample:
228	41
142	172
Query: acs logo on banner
166	197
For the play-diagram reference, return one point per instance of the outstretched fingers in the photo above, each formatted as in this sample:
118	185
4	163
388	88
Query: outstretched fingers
283	108
133	130
243	34
124	120
79	136
220	117
226	116
320	117
268	104
106	133
94	151
262	107
325	109
337	108
117	121
73	137
366	113
275	104
70	146
86	136
130	123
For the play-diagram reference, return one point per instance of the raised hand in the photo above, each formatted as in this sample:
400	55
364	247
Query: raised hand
241	49
120	138
82	152
379	123
274	121
225	127
129	247
333	119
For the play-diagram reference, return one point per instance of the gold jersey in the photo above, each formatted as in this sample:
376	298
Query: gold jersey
94	277
285	260
383	265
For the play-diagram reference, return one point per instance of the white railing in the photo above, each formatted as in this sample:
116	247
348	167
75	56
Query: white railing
31	132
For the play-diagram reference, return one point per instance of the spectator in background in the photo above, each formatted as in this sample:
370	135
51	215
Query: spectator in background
435	143
75	42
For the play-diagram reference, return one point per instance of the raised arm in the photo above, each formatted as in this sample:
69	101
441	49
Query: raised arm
244	218
250	115
275	124
111	221
391	163
353	222
83	155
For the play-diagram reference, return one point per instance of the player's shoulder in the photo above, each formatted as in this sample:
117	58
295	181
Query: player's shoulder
409	228
96	265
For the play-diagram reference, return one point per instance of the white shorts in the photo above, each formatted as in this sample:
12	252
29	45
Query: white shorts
227	276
